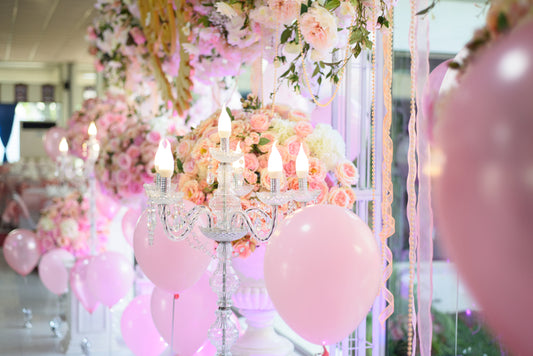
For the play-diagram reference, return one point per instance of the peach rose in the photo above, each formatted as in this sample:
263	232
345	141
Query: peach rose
346	173
298	115
290	168
317	170
323	187
250	176
184	147
251	162
339	197
319	28
285	11
259	122
293	146
267	146
303	129
252	139
192	192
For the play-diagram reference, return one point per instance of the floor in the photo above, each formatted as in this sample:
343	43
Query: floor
16	293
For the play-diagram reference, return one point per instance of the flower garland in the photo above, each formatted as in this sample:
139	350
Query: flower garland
255	130
65	224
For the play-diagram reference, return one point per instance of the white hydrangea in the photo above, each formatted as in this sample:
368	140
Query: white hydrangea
283	128
327	144
69	228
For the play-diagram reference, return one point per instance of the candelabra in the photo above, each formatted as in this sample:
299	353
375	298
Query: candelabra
226	220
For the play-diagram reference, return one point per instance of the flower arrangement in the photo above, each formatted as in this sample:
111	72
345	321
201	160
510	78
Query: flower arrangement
101	111
255	130
65	224
127	152
225	34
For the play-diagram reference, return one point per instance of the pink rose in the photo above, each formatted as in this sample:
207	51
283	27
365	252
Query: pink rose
319	28
259	122
290	168
154	137
252	139
133	152
293	146
251	162
135	188
190	166
285	11
271	139
346	173
303	129
138	36
184	147
121	177
91	33
250	176
263	161
317	170
123	160
98	65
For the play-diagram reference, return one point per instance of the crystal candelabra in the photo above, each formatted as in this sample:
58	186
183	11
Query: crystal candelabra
93	150
226	220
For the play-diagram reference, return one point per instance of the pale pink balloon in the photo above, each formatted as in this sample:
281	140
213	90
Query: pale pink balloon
51	140
105	204
21	251
171	265
194	313
129	221
79	285
138	329
53	271
110	277
484	196
322	272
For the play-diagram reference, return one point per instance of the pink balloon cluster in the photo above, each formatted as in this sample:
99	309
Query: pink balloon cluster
322	272
21	251
484	195
78	283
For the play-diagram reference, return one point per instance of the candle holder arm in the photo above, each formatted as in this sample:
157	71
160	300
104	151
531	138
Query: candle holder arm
257	233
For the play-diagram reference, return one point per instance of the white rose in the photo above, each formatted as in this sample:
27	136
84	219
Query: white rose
46	224
69	228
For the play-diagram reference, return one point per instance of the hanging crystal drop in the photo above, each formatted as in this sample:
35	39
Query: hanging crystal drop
210	175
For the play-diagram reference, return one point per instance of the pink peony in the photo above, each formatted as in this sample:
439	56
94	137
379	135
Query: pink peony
319	28
346	173
259	122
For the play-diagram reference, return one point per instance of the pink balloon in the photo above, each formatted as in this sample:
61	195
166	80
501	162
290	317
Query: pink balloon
51	140
431	92
194	313
170	265
79	285
21	251
322	272
110	277
138	329
129	220
53	272
485	192
106	205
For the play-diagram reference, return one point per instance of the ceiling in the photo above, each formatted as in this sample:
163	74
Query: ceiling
50	31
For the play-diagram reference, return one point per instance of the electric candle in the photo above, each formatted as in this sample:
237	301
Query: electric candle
302	163
275	163
92	130
63	146
224	124
164	161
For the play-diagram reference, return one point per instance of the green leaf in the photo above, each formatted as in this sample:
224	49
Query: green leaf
356	50
316	71
204	20
503	23
263	141
427	9
285	35
332	4
228	110
179	165
382	20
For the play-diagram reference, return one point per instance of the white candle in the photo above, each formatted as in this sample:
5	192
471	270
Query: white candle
92	130
164	161
63	146
224	124
275	163
302	163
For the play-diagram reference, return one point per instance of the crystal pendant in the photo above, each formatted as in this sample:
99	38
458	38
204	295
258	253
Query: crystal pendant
28	316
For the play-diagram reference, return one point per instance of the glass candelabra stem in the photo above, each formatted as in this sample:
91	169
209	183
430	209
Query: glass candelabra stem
224	282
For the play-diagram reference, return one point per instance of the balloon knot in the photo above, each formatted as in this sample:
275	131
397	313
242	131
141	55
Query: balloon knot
326	353
176	296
